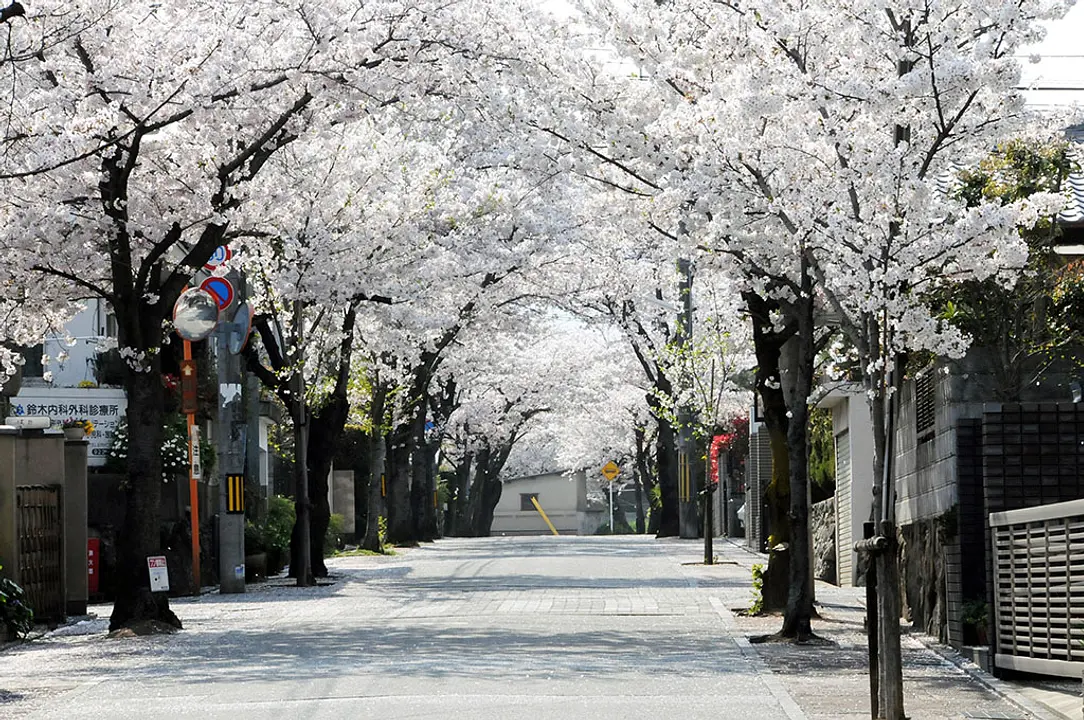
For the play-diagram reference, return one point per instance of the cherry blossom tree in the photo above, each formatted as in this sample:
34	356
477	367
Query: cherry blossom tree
126	161
817	134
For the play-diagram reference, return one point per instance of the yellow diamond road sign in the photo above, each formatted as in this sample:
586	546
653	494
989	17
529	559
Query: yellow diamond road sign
610	470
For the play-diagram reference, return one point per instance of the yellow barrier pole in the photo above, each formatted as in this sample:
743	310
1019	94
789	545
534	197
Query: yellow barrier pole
534	501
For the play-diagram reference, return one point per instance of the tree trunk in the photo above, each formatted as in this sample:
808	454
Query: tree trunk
459	515
323	437
667	458
800	359
377	448
640	525
768	343
476	498
642	477
362	472
427	458
302	570
485	491
140	536
883	410
397	480
421	500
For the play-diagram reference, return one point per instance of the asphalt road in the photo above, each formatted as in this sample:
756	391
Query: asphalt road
540	628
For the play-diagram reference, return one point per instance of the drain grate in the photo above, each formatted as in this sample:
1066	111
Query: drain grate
993	715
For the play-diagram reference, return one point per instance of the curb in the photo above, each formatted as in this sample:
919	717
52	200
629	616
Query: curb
991	683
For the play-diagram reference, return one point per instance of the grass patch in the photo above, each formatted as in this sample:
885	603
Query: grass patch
361	552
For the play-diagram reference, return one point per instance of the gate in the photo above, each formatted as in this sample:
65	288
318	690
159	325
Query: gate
1039	588
41	557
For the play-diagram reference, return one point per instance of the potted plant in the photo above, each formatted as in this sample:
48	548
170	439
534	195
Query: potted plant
77	428
976	619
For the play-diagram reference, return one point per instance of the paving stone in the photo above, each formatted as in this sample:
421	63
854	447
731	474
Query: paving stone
483	629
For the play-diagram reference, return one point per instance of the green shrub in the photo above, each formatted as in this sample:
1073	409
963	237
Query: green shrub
271	535
279	523
15	614
333	538
758	590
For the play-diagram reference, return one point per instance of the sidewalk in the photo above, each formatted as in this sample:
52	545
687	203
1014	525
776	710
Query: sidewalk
827	679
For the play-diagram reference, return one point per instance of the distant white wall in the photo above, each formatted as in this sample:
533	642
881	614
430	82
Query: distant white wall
563	498
86	329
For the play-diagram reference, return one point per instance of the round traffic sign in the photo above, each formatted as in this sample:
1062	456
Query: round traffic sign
240	328
219	256
220	289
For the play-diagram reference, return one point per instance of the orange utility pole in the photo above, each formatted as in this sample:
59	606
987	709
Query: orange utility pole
188	405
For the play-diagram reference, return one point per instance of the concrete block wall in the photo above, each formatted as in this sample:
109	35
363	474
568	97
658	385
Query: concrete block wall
1032	454
925	471
47	459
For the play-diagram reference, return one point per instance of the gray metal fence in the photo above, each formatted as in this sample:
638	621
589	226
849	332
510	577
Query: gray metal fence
1038	564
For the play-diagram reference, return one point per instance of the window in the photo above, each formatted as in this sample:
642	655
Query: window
33	356
924	406
525	503
110	327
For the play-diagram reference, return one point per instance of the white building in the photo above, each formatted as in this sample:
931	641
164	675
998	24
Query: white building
562	497
852	431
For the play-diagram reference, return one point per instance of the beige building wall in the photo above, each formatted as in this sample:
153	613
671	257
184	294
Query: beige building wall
564	499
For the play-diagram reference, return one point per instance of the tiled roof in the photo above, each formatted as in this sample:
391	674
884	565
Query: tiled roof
1074	214
947	180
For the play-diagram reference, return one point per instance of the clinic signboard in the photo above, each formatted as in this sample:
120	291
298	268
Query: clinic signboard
105	407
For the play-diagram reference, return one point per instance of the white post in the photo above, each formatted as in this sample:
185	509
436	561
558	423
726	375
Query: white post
611	507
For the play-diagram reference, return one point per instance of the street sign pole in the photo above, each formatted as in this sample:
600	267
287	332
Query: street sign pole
610	471
611	507
193	488
229	462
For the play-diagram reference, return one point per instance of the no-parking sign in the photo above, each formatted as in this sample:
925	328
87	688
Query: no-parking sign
220	289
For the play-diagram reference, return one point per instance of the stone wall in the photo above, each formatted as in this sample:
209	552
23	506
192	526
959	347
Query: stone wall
822	523
926	546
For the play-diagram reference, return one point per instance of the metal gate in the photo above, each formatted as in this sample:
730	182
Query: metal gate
41	557
1039	588
844	512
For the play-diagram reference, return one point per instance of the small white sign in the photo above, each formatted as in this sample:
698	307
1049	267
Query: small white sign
239	571
196	471
156	566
